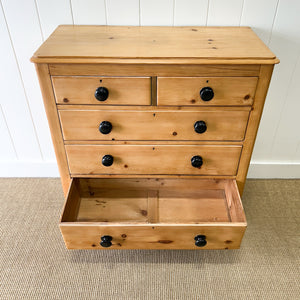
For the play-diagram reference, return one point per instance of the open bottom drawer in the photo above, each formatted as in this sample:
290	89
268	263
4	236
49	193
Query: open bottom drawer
153	214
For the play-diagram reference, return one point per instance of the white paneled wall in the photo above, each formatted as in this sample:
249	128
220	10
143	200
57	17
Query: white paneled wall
26	148
224	13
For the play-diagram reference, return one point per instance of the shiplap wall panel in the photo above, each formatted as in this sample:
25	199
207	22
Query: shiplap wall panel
89	12
286	38
23	127
157	12
123	12
24	26
261	23
7	151
190	12
13	102
295	83
297	155
224	13
51	16
285	42
286	141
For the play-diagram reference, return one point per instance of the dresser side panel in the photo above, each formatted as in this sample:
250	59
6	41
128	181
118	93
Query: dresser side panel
253	124
54	124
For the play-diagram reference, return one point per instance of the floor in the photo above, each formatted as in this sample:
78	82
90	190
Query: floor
34	263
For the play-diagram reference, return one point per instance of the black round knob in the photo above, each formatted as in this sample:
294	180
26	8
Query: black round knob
206	93
107	160
197	161
106	241
200	240
200	126
101	93
105	127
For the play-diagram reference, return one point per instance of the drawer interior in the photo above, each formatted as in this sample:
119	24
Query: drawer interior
149	201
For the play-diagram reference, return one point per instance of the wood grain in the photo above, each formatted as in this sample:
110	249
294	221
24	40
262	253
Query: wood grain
152	176
179	215
53	120
93	186
71	207
193	206
152	209
168	190
78	43
151	197
154	125
186	90
122	90
129	206
140	142
153	159
218	236
162	69
150	108
254	120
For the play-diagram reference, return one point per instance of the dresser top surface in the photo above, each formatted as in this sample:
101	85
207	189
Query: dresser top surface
123	44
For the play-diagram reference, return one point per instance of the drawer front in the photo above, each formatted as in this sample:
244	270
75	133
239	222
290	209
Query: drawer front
110	90
87	236
214	90
153	159
153	125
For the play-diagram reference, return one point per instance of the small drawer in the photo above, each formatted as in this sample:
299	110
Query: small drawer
153	159
102	90
153	214
208	91
217	124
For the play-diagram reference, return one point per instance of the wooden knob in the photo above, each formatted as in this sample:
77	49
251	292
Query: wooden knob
206	93
200	240
106	241
200	126
197	161
105	127
107	160
101	93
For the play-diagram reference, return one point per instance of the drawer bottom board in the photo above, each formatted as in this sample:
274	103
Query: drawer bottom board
153	214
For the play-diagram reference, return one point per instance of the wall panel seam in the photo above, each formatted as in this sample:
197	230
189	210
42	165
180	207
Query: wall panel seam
285	102
10	136
106	11
39	19
207	11
174	2
242	11
274	18
22	82
294	160
71	8
139	12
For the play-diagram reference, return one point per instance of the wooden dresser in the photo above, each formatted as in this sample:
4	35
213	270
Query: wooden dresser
153	130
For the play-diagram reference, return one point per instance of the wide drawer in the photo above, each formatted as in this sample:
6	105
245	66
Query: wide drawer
153	214
206	91
110	90
216	124
153	159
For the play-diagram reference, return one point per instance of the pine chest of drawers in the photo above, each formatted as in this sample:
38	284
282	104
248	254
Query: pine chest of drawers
153	129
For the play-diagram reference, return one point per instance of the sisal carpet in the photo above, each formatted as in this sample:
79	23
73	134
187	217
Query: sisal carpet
34	263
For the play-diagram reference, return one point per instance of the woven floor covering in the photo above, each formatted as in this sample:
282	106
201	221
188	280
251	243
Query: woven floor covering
34	263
